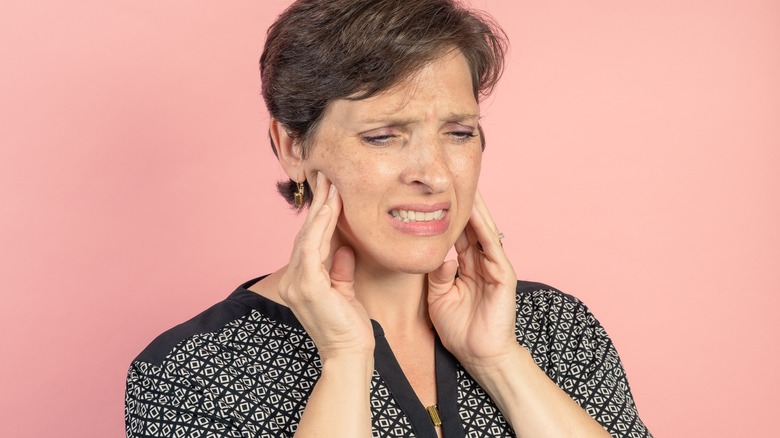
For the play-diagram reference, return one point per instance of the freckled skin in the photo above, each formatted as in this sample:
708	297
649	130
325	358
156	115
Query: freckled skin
423	158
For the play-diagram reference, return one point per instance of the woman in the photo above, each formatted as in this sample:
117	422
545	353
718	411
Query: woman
375	118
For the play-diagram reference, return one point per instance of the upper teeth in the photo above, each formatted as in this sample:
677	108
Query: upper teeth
417	216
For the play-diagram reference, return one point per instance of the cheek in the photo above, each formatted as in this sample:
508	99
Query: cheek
348	174
326	159
348	179
467	171
467	168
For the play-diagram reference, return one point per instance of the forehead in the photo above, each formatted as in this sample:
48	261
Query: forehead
441	88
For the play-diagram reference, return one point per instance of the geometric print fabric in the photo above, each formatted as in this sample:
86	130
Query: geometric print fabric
574	350
245	368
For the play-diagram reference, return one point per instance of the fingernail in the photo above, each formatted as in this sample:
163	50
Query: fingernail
332	191
320	178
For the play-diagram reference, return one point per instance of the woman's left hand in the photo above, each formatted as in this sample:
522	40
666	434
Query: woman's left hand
474	314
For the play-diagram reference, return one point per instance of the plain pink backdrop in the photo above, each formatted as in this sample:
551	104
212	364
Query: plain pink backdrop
633	160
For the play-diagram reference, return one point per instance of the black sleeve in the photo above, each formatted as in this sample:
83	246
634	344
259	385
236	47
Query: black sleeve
161	404
575	351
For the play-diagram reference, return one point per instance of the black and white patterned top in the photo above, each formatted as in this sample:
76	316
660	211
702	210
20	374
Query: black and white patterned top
245	368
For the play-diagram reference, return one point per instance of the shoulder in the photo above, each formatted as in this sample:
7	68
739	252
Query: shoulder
554	325
538	300
570	345
213	321
209	321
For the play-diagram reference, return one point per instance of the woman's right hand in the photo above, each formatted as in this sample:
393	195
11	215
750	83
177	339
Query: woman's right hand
322	298
319	288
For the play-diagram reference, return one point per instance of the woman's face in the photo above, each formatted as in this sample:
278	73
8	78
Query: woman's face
406	164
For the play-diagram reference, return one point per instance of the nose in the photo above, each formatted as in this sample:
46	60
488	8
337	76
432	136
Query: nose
428	165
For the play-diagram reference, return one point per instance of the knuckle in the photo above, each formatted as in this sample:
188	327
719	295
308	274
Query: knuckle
300	238
308	251
308	282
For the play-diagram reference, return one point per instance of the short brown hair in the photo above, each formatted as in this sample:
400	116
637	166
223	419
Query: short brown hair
318	51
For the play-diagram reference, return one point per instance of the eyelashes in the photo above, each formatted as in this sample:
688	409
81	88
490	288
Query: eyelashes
389	139
379	140
463	135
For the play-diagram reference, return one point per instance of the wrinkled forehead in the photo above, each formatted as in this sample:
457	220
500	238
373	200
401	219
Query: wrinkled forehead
441	88
407	79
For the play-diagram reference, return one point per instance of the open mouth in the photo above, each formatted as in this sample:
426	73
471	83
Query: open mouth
417	216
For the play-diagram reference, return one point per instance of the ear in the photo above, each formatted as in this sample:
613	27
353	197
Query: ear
288	151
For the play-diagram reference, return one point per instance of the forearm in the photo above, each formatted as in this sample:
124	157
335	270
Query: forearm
339	404
532	403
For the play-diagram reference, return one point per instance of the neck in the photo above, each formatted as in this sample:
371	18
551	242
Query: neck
398	301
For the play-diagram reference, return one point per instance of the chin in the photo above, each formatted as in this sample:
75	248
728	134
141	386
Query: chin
421	269
406	257
421	264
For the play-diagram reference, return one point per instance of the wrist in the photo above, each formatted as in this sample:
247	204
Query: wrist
530	401
498	371
349	366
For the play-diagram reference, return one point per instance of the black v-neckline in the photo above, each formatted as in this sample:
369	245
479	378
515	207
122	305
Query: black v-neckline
390	370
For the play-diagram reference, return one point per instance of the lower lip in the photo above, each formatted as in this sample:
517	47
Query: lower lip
428	228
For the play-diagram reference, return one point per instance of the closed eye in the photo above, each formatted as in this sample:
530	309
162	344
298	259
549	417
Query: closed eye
379	140
462	136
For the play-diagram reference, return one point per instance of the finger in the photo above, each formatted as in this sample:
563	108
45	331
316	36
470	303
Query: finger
314	209
309	244
440	280
342	271
319	196
468	252
318	201
486	235
467	239
481	206
462	243
334	204
471	234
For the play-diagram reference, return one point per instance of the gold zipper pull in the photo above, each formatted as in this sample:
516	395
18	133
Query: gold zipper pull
433	412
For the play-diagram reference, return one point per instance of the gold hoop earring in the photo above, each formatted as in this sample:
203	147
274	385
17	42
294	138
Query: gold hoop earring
298	195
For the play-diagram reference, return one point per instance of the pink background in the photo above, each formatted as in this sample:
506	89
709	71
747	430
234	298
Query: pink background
633	157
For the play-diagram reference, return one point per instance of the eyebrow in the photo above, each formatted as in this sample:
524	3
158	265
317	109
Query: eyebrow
395	121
